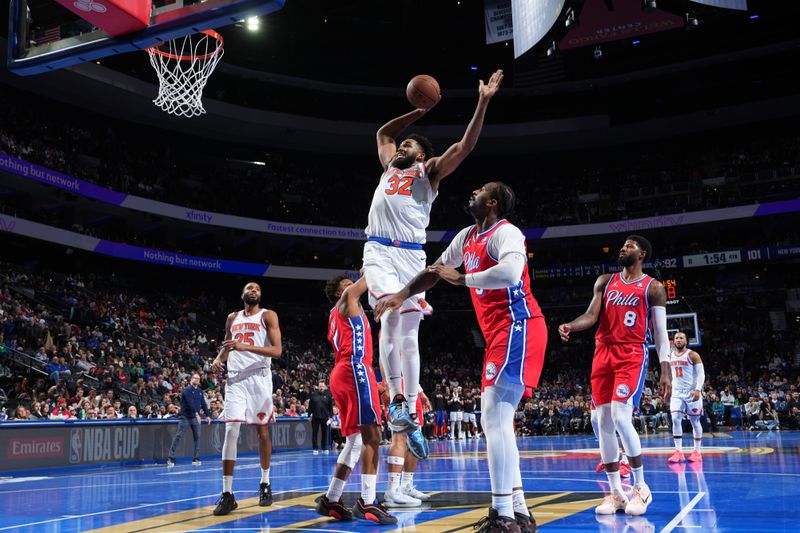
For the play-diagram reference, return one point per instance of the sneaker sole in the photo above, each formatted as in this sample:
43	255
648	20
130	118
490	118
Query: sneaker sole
226	512
392	503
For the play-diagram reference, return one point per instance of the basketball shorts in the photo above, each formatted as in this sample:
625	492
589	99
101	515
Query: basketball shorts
355	392
388	269
516	350
456	416
248	397
618	372
681	402
469	418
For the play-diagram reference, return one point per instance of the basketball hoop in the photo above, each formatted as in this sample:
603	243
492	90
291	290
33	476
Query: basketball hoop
183	67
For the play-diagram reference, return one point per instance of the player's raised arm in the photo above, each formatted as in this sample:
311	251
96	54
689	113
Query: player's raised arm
444	165
387	148
349	303
589	318
657	297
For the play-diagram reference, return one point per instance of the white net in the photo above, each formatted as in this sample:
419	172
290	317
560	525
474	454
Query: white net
183	67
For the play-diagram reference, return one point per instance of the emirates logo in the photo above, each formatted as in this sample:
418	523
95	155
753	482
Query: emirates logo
90	5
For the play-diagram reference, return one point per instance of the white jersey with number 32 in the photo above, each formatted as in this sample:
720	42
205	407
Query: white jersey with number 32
249	330
683	374
401	205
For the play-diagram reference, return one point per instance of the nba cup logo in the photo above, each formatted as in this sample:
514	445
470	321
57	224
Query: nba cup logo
90	5
75	446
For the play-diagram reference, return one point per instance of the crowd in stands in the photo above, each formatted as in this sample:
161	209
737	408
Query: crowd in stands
80	348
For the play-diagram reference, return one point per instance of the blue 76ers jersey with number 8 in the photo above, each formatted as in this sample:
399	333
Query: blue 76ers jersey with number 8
401	205
625	312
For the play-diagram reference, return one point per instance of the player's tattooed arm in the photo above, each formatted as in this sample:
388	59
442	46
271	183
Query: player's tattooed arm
444	165
387	134
589	318
222	356
421	283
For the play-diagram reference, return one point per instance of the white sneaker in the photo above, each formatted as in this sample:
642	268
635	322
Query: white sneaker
396	498
326	452
316	452
639	501
411	490
196	462
612	503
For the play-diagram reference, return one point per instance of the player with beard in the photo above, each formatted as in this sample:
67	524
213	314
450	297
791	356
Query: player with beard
252	339
393	254
625	303
495	262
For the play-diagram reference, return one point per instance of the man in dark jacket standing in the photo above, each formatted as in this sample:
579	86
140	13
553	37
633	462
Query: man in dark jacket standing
320	405
192	403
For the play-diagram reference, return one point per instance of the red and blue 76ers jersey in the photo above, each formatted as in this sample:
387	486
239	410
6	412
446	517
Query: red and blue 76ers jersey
625	312
351	338
496	308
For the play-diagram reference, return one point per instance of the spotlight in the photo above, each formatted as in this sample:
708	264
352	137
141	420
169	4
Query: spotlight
570	21
551	50
649	5
598	53
691	21
253	23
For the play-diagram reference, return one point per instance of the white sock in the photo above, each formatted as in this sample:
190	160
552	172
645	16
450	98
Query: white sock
678	443
518	497
406	479
265	475
504	505
614	482
638	476
394	481
698	444
227	483
368	488
335	489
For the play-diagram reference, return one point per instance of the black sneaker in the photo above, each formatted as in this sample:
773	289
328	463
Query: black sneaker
374	512
336	510
264	495
526	523
494	523
225	504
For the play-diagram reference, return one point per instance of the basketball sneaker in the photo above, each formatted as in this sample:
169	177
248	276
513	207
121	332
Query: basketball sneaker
624	470
526	523
494	523
695	457
400	419
677	457
411	490
336	510
640	500
416	444
600	467
225	504
170	462
264	495
196	462
397	498
612	503
374	512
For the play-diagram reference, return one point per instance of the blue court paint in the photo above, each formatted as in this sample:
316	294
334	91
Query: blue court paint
747	482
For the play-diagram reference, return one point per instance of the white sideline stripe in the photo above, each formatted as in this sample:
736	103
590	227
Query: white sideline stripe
140	506
683	512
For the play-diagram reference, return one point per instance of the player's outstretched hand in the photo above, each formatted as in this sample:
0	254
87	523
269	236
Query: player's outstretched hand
563	332
488	89
665	381
450	275
386	305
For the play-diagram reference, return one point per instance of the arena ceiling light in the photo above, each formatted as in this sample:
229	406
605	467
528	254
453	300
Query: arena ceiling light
253	24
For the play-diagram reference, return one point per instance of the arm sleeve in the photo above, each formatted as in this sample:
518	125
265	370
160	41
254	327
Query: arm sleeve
507	244
453	256
660	333
699	376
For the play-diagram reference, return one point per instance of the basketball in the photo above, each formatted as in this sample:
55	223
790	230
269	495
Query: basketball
423	92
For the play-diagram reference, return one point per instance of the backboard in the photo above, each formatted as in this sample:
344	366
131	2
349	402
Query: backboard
45	36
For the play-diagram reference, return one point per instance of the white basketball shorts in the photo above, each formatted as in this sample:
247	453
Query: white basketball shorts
248	397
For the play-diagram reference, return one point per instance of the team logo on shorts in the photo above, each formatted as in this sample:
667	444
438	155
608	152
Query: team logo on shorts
622	390
695	410
491	371
261	416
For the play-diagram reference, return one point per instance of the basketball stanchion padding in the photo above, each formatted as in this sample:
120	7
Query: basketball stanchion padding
183	67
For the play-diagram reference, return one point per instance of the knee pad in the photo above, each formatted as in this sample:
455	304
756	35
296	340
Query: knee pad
351	452
231	442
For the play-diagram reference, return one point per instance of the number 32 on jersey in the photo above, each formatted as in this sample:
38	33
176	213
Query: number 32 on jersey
399	184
